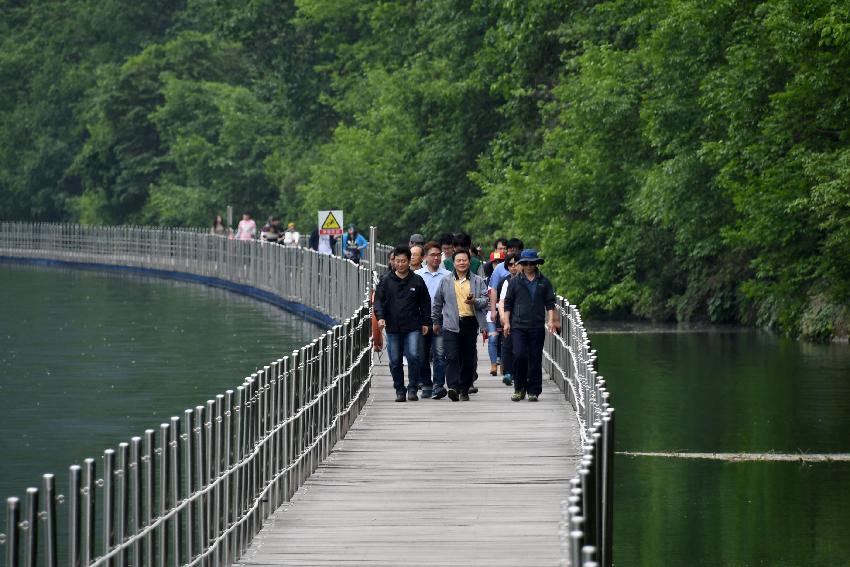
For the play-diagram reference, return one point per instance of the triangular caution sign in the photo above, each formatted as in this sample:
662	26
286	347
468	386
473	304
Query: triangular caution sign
330	222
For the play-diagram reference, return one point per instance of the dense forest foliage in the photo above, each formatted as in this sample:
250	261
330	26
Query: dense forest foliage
673	159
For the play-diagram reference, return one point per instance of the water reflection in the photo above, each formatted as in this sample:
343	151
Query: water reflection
89	359
727	390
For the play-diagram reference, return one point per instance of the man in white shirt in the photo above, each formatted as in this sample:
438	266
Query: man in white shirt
433	385
291	236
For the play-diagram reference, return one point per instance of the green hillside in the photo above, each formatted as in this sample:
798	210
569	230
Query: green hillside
674	160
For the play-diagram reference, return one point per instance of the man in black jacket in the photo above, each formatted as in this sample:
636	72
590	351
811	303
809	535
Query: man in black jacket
403	309
529	297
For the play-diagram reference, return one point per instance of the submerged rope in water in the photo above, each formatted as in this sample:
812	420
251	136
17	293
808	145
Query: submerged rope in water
739	457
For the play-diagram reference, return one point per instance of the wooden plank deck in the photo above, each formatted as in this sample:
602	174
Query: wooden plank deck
433	483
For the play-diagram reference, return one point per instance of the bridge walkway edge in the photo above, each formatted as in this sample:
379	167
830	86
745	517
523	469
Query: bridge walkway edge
434	483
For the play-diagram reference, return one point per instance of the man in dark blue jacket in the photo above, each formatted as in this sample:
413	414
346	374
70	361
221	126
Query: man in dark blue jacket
529	297
403	309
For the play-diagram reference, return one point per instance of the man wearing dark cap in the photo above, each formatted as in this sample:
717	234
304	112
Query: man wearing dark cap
529	297
417	251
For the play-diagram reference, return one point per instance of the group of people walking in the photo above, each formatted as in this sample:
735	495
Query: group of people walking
437	296
353	243
435	299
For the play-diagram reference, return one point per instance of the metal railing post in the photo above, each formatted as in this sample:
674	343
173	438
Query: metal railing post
50	537
74	487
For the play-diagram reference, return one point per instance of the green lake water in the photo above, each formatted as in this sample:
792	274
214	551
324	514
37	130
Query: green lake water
89	359
732	392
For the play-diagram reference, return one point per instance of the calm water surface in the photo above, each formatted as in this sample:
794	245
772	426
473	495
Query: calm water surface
728	391
90	359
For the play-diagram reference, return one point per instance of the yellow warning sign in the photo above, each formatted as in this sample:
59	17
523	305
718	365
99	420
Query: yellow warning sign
330	222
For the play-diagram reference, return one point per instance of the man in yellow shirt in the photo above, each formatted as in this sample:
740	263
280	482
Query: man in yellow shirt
457	312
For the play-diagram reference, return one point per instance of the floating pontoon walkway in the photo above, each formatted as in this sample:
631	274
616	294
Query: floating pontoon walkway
434	483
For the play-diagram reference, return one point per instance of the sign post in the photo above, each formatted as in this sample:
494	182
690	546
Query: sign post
331	223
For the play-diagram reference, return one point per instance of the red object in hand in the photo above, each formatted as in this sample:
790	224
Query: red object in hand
483	336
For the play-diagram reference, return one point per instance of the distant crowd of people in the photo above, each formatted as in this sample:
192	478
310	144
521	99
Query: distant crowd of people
435	298
353	243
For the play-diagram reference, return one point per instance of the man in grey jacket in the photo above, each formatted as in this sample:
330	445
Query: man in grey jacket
457	312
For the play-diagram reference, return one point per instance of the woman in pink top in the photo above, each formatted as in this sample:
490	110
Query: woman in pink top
247	228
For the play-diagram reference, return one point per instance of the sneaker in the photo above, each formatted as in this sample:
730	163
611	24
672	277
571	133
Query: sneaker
426	394
473	390
453	394
517	396
532	398
400	397
439	395
507	380
411	395
494	369
464	397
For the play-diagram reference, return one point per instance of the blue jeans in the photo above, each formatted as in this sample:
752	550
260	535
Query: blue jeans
432	348
492	342
407	345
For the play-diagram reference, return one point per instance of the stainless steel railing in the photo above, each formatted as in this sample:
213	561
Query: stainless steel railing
195	491
587	513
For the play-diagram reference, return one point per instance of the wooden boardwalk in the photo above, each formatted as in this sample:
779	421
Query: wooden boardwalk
434	483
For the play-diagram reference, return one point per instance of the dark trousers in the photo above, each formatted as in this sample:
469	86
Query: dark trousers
528	359
461	356
431	350
507	355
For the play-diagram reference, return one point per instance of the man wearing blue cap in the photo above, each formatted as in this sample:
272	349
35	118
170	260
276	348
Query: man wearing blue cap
529	297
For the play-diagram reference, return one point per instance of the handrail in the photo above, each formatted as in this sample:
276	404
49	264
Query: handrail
195	492
587	513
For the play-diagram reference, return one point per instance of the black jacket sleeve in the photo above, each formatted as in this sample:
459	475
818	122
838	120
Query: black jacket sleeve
380	300
424	301
510	295
549	298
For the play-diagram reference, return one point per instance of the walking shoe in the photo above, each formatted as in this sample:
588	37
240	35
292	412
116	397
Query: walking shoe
400	397
532	398
473	390
439	395
494	369
426	394
411	395
517	396
453	394
464	397
507	380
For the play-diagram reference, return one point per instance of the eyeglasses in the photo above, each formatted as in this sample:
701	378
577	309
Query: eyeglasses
434	254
